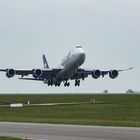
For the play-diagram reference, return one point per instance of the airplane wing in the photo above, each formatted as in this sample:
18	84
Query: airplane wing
47	74
17	72
36	73
95	73
127	69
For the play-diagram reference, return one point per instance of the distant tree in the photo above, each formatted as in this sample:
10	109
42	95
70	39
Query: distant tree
130	91
105	91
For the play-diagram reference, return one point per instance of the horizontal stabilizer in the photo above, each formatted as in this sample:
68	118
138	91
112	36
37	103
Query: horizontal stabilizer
32	79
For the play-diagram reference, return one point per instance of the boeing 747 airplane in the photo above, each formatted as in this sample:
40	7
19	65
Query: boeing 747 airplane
69	69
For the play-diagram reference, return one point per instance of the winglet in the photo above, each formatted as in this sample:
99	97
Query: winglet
131	68
45	63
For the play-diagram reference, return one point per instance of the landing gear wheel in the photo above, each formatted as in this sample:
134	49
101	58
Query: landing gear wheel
50	82
77	82
57	84
67	84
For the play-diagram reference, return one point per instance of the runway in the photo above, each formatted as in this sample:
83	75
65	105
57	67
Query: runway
67	132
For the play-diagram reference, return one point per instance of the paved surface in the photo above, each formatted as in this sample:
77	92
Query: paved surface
68	132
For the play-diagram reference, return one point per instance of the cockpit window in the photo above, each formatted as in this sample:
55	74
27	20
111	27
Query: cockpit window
78	46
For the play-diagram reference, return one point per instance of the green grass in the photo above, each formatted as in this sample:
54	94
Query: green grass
9	138
110	110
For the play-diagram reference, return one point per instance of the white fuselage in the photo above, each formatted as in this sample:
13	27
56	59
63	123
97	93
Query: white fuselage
71	63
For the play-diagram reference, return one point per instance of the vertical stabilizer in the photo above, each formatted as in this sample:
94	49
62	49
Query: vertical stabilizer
45	63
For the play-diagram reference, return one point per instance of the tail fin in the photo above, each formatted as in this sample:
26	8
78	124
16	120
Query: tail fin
45	63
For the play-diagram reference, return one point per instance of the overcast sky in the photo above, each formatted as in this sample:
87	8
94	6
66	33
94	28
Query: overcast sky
108	30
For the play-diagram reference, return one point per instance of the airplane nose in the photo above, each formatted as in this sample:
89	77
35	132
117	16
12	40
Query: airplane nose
82	56
82	53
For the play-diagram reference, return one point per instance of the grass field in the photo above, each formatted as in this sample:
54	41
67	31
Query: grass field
9	138
110	110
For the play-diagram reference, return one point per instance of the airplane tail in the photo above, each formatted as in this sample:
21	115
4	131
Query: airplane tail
45	63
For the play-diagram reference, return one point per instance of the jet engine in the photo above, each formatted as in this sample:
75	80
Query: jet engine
96	74
113	74
10	73
37	73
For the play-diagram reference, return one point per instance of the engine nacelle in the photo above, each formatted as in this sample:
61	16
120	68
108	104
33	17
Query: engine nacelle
113	74
37	73
96	74
10	73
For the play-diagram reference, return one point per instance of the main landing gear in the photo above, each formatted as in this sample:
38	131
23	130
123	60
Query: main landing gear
77	82
51	83
57	84
66	84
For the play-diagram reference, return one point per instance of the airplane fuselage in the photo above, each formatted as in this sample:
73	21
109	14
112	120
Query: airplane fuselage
71	63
